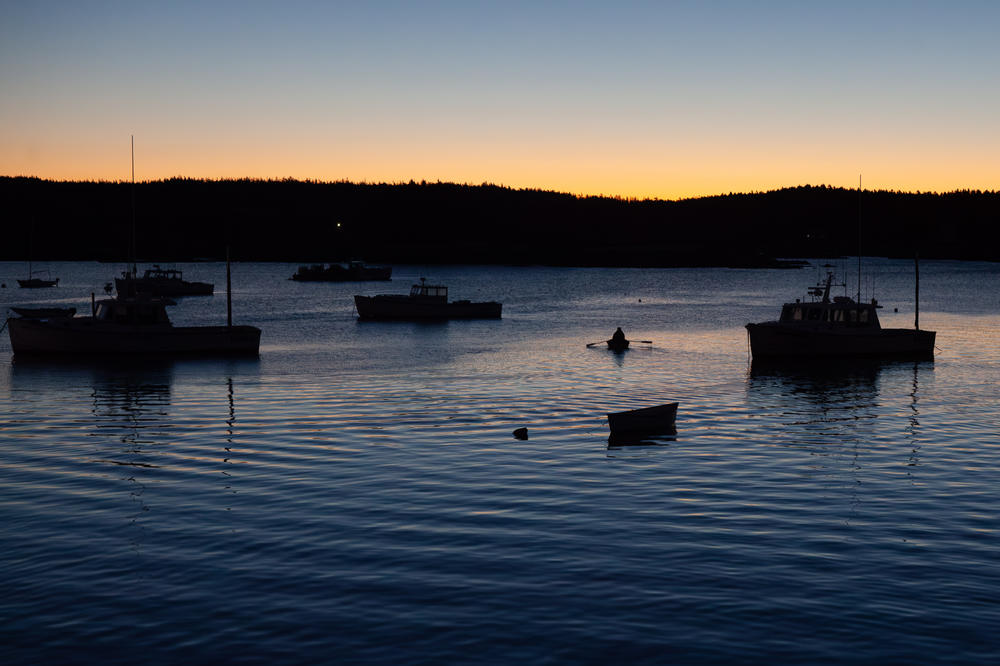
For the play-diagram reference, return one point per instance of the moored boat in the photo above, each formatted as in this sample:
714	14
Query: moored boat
158	281
659	419
352	271
425	301
33	282
37	283
832	327
127	326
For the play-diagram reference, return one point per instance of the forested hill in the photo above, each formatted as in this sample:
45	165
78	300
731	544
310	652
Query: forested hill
288	220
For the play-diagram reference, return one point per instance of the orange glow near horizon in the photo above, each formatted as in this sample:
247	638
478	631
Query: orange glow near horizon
641	100
601	171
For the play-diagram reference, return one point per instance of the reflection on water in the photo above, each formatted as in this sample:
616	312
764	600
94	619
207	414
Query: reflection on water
356	491
619	440
856	417
131	419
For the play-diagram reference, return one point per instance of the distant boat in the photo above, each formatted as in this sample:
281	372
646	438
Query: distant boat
158	281
645	421
831	327
127	326
32	282
425	301
43	313
352	271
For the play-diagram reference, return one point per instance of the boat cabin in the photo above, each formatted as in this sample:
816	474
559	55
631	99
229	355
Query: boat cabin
842	311
134	311
157	273
431	291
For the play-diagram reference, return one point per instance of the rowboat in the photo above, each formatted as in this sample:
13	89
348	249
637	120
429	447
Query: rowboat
648	420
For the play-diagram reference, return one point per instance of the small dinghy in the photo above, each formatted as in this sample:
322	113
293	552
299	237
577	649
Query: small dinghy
648	420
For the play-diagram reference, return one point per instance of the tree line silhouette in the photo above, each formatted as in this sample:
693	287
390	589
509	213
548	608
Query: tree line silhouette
309	221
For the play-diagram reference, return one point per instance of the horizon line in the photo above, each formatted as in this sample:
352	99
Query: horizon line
424	182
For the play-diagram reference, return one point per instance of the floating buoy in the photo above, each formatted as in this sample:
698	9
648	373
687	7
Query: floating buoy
521	433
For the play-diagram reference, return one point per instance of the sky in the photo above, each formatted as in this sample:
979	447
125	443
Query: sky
633	99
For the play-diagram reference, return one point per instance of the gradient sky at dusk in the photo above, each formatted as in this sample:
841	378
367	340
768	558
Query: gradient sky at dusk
657	99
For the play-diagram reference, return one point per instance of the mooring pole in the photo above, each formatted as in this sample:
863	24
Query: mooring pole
229	292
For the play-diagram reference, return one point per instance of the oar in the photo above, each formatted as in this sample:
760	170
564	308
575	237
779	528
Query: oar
648	342
597	343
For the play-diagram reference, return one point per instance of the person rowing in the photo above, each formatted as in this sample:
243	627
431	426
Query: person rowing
618	340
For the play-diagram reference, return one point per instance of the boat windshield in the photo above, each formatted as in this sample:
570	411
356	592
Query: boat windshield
168	273
429	290
850	315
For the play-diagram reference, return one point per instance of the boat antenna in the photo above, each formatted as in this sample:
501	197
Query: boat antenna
859	238
132	246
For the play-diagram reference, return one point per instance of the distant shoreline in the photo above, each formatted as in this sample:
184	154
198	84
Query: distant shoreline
445	223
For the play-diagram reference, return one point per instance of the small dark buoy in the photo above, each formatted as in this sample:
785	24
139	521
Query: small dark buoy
895	309
521	433
3	286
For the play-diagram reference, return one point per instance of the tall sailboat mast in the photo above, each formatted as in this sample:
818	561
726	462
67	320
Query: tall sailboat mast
132	243
859	238
916	288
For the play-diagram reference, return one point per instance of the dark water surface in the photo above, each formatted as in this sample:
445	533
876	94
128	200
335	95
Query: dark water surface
356	496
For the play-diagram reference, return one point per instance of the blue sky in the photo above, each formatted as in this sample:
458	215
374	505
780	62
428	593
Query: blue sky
635	99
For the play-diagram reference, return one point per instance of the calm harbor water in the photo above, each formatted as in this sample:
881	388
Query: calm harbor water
355	495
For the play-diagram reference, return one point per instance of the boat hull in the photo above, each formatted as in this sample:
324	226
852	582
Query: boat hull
83	336
44	313
646	421
154	287
405	308
775	340
618	345
37	283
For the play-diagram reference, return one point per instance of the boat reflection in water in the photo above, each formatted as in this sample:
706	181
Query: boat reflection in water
623	439
839	398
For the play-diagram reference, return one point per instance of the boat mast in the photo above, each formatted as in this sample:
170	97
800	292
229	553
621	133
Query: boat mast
859	238
916	295
132	245
229	293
